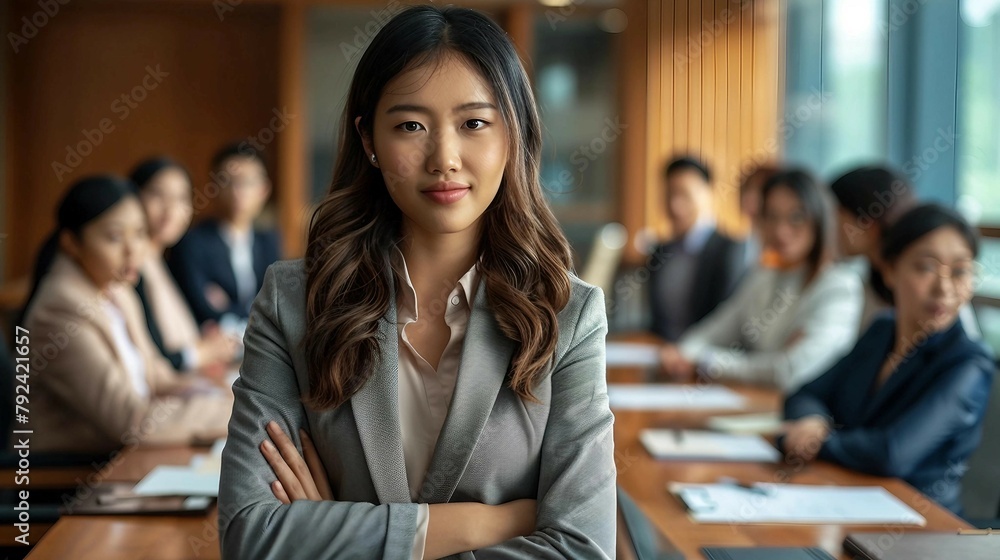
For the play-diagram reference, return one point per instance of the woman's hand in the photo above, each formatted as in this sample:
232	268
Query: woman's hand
298	478
674	365
805	437
216	347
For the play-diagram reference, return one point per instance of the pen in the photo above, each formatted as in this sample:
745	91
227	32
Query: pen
744	485
978	531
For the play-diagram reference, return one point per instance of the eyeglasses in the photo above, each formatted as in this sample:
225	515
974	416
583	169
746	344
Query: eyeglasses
961	274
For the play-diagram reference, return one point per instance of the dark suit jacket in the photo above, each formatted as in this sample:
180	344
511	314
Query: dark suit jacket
720	267
202	258
921	425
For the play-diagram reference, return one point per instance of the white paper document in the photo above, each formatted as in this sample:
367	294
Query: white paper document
634	396
764	423
632	354
694	445
168	480
794	503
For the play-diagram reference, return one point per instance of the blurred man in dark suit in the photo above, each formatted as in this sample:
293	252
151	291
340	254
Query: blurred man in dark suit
698	268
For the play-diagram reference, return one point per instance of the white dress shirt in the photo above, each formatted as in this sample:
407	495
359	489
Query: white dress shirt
131	357
425	392
241	260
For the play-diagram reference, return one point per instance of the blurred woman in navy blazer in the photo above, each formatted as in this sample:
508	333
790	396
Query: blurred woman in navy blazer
909	399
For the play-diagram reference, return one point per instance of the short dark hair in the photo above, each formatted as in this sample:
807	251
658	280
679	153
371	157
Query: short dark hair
920	221
807	188
877	192
242	149
688	163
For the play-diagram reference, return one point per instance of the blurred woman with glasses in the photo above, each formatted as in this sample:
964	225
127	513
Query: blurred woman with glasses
909	400
793	316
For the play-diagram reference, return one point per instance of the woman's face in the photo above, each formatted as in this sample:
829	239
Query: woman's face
932	279
441	144
111	247
167	201
787	228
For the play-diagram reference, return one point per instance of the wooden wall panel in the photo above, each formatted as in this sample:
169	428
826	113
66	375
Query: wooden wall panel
222	86
715	75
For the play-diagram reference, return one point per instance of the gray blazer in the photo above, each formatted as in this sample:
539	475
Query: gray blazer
493	447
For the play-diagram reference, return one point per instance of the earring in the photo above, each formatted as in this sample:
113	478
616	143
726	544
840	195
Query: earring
373	159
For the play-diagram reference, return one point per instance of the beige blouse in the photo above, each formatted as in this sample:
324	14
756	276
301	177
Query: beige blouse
170	310
425	393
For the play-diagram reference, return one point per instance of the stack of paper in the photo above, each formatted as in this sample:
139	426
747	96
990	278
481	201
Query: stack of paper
691	445
673	397
794	503
764	423
630	354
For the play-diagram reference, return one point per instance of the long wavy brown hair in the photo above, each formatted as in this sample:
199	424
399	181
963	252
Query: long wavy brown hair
524	257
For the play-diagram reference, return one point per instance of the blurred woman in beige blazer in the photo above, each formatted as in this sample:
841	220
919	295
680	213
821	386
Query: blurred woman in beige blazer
97	380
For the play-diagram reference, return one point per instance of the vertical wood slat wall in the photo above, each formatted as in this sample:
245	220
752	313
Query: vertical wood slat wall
714	76
223	85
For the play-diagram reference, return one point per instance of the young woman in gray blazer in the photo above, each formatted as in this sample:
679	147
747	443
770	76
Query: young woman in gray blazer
430	380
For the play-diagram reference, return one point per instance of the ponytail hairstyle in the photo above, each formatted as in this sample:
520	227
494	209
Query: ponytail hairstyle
524	257
85	201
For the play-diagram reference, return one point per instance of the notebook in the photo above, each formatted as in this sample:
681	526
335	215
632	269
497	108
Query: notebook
748	553
889	545
694	445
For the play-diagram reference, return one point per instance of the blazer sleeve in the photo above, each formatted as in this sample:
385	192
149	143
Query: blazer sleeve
87	376
811	399
828	325
576	515
720	329
947	410
253	524
185	263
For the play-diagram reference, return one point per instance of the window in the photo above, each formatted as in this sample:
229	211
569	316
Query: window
575	87
979	113
836	51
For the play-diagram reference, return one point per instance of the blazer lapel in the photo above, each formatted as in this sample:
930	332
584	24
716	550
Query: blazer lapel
376	414
486	355
908	378
85	294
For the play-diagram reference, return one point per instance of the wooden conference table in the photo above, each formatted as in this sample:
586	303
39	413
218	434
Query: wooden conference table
645	479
